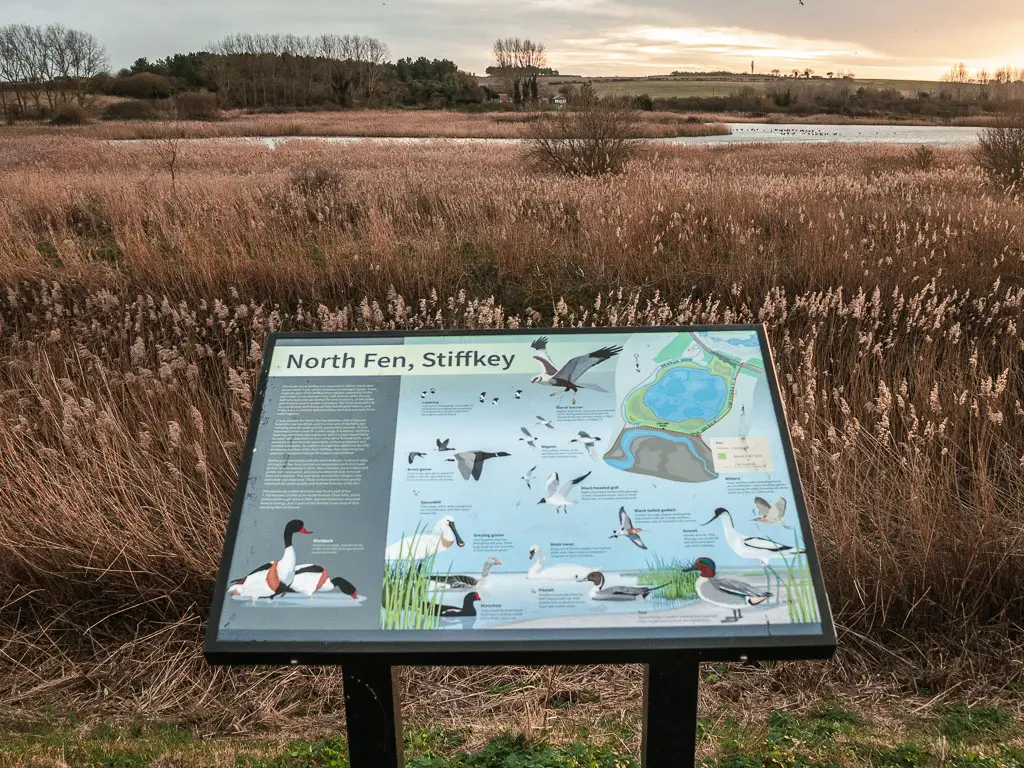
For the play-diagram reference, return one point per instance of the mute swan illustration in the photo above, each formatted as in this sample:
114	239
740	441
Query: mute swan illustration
559	572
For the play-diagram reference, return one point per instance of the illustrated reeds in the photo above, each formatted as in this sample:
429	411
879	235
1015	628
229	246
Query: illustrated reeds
679	582
410	598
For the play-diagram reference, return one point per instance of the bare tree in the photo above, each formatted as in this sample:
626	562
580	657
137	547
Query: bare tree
598	136
519	63
1000	152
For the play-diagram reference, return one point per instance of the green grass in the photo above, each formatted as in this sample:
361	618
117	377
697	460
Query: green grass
410	599
680	582
803	606
832	736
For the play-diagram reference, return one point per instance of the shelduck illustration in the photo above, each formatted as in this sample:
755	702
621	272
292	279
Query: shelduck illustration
310	579
559	572
273	578
722	592
424	545
618	593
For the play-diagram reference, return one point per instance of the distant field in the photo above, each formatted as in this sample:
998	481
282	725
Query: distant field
710	85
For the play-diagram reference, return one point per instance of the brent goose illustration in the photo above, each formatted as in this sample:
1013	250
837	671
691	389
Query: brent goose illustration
471	463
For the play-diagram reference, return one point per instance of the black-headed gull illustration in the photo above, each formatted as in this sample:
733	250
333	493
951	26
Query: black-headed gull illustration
590	443
557	494
627	529
529	439
568	376
471	463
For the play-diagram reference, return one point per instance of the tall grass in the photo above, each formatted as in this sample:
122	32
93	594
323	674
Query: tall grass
133	316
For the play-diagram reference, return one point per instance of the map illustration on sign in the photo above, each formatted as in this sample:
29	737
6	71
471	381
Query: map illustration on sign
425	485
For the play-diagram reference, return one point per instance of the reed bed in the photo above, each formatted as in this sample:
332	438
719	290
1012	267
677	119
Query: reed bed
367	123
134	312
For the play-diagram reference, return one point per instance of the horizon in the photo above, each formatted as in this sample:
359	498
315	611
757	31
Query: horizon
609	38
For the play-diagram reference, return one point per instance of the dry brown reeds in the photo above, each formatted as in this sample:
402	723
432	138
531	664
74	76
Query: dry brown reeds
133	318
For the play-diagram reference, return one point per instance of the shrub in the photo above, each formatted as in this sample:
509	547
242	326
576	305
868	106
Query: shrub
597	137
136	109
144	85
196	105
1000	152
69	114
922	158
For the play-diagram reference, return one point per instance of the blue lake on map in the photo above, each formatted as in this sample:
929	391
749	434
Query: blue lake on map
686	393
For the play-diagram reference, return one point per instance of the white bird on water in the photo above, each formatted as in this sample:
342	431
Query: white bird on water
557	495
559	572
423	545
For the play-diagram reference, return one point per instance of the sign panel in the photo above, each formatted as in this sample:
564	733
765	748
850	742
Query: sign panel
614	492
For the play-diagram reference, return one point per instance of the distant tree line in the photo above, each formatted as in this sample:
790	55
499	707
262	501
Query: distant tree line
518	63
43	68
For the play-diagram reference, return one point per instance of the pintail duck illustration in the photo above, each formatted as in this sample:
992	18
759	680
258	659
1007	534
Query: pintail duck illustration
568	376
619	593
273	578
627	529
723	592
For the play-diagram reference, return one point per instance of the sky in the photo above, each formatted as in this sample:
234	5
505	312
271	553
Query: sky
872	38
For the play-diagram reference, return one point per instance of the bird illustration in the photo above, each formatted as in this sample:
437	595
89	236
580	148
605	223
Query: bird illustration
451	611
494	401
471	463
568	376
528	477
722	592
423	545
545	423
423	394
310	579
627	529
771	514
557	495
519	394
459	581
588	442
273	578
764	550
619	593
433	391
442	445
483	397
413	455
529	439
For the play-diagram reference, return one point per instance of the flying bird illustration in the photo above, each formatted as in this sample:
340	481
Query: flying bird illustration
494	401
528	477
529	439
545	423
557	495
568	376
442	445
413	455
471	463
519	394
627	529
588	442
771	514
483	397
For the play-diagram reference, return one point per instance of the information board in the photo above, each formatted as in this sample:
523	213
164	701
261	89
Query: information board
611	492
